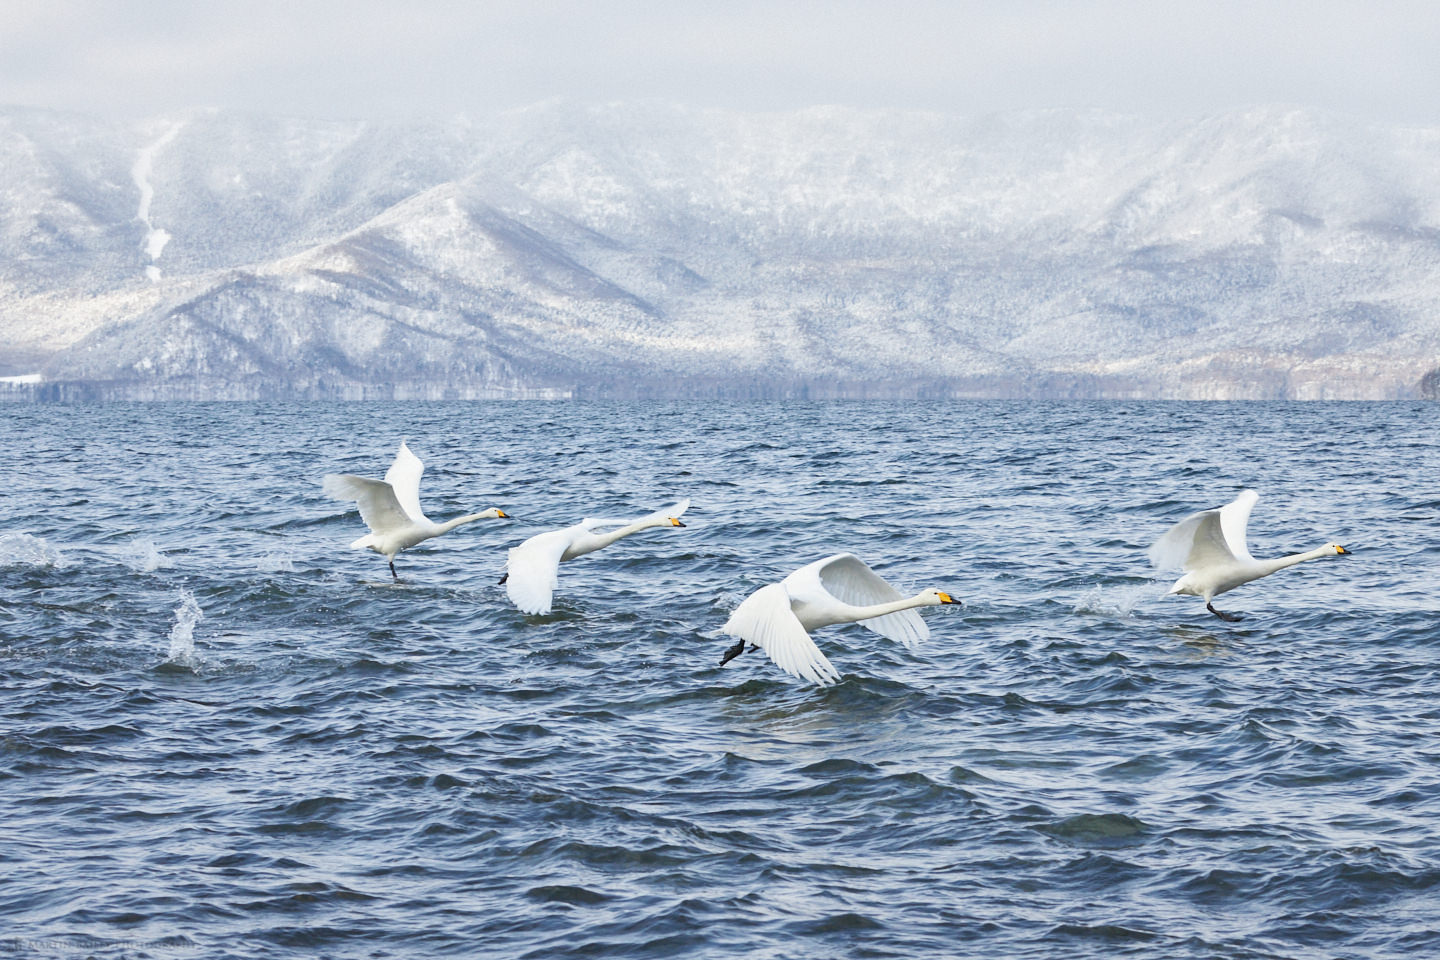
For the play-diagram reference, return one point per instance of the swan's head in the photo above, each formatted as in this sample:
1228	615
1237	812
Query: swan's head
1339	550
673	522
937	597
494	513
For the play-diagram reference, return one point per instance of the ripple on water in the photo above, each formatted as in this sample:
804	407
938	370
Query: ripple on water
225	732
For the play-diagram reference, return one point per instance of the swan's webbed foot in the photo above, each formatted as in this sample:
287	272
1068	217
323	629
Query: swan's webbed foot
1227	617
733	652
504	578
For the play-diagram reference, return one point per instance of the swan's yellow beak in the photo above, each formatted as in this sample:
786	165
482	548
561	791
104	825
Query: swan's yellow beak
501	514
1341	550
946	598
675	523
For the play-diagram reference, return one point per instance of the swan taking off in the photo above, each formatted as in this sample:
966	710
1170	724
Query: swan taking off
531	569
839	589
391	507
1210	547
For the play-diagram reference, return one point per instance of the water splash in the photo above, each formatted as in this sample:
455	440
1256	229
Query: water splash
275	563
23	550
143	556
1115	601
182	635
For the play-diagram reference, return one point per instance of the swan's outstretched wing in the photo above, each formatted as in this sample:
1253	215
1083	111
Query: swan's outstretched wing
1234	517
1199	541
379	509
848	579
404	478
766	620
531	568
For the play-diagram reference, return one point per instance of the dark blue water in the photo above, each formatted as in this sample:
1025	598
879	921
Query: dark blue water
225	734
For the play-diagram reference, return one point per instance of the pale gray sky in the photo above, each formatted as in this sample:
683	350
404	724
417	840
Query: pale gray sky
358	58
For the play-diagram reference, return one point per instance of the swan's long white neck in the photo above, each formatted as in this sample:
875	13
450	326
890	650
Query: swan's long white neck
591	542
1280	563
449	525
895	606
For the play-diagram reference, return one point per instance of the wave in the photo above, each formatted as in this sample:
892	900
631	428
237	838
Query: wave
143	556
24	550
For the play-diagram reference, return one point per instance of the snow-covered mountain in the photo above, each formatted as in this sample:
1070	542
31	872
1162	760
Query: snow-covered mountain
645	249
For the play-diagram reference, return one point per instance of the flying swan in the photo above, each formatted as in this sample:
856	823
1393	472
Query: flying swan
839	589
1210	547
531	569
391	507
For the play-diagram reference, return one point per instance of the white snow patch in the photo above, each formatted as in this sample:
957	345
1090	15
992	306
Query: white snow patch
155	239
23	378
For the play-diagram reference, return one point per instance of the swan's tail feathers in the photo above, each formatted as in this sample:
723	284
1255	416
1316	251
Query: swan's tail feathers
766	620
364	542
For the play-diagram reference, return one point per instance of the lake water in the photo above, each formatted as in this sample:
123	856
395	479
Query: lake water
223	733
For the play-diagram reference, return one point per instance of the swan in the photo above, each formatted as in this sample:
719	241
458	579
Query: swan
531	568
1210	547
840	589
391	507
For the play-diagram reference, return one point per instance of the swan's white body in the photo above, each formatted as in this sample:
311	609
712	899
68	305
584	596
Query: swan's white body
391	507
532	569
839	589
1210	547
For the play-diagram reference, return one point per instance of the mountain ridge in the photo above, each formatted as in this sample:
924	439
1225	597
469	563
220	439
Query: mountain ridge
657	250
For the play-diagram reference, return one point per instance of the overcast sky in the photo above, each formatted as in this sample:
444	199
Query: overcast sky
361	58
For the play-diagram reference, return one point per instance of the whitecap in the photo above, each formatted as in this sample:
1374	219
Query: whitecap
143	556
23	550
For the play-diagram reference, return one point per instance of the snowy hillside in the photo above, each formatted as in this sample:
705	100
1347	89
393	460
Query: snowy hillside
643	249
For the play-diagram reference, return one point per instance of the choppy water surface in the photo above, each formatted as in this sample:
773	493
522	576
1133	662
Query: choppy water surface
226	734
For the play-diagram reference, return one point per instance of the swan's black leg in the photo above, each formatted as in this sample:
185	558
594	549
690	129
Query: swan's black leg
1227	617
505	577
392	570
733	652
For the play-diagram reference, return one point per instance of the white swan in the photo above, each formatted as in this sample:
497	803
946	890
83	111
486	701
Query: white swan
531	569
1210	547
391	507
839	589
